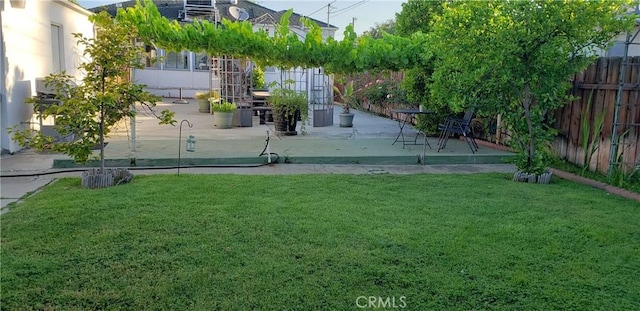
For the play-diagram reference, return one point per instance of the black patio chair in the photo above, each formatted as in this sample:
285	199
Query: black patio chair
462	127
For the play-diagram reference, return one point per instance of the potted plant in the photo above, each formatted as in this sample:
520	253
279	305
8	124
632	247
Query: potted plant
288	106
346	98
205	99
223	114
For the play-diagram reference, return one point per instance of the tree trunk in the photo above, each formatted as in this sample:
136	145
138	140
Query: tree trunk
102	127
102	137
527	115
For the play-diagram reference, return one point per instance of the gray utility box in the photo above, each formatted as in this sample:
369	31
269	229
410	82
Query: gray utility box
49	130
43	103
243	116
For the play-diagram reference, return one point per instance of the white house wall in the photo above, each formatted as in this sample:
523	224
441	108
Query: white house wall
617	48
634	47
27	53
169	83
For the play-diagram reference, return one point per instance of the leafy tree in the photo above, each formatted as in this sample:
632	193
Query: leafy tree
417	16
388	27
104	97
515	57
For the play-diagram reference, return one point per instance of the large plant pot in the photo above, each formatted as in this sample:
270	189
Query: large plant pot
243	117
222	120
322	117
204	106
285	125
346	120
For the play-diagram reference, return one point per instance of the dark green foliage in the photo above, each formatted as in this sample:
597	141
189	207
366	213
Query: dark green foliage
417	15
385	92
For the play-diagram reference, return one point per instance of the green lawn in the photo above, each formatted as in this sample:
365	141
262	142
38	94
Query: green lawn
322	242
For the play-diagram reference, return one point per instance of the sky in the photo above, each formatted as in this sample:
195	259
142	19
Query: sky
342	12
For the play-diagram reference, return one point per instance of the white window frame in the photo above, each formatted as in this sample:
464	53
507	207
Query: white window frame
57	48
183	54
198	64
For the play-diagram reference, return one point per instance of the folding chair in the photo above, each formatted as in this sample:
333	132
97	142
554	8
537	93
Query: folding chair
458	126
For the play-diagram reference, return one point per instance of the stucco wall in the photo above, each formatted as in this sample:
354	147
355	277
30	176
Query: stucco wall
27	53
167	83
634	47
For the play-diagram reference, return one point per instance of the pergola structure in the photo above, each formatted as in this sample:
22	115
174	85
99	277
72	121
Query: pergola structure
232	77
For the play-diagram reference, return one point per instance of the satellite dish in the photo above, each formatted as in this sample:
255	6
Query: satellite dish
238	13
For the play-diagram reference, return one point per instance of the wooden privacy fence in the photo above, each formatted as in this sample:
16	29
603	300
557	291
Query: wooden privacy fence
599	84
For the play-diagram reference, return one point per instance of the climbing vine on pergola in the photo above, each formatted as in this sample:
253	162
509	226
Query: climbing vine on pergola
238	39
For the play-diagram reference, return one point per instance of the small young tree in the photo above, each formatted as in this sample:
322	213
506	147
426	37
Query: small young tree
105	95
515	58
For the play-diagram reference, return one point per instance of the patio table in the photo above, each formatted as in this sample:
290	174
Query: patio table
402	122
261	93
262	113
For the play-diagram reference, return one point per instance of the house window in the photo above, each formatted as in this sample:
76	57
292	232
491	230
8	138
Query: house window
57	52
201	61
179	61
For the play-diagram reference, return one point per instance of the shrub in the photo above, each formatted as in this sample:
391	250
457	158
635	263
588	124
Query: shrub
207	95
384	92
225	106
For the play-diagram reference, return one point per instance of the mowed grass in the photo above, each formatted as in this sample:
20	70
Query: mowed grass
322	242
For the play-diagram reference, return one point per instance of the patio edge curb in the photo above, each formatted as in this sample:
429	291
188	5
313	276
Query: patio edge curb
493	145
596	184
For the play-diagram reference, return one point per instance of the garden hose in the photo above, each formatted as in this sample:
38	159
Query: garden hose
265	151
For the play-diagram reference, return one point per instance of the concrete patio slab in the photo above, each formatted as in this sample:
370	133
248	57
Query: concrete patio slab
369	141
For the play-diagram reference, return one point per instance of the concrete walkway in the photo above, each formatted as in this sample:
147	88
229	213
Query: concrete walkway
364	149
